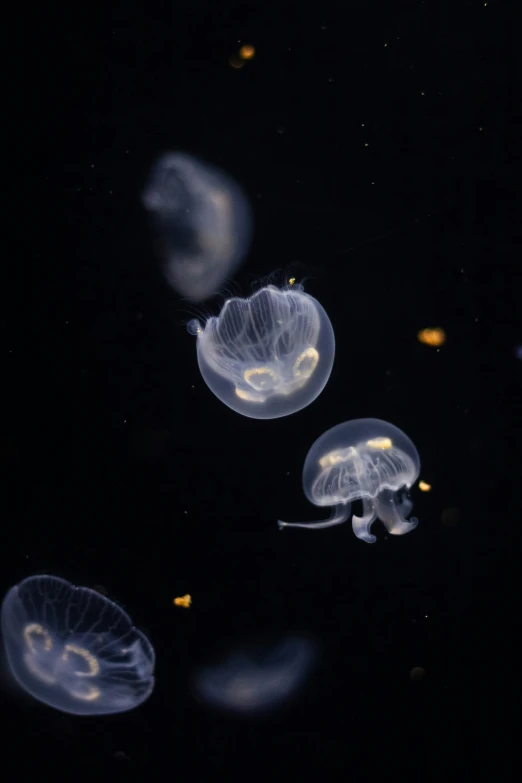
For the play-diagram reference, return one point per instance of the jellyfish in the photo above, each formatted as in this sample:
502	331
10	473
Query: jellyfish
202	223
257	677
269	355
364	459
74	649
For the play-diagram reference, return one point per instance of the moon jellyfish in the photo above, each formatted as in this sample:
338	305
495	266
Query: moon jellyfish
269	355
74	649
202	223
257	678
367	460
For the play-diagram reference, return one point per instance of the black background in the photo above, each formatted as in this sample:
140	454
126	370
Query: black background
375	141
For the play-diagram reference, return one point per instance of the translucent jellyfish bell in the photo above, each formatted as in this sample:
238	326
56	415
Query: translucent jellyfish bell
257	678
202	221
73	649
269	355
368	460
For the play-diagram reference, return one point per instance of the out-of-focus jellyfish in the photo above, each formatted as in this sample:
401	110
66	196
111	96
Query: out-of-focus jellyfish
269	355
74	649
257	678
202	222
368	460
450	517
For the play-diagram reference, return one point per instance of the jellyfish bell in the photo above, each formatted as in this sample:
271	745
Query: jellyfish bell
257	677
201	221
268	355
74	649
367	460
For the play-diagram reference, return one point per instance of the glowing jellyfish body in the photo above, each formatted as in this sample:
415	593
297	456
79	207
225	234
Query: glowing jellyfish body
368	460
74	649
257	678
202	222
269	355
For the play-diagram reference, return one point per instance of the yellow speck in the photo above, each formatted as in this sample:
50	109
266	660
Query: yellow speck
433	337
424	486
247	52
184	601
291	281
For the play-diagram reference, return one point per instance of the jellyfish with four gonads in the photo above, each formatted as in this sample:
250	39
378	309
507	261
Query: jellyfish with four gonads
268	355
365	460
74	649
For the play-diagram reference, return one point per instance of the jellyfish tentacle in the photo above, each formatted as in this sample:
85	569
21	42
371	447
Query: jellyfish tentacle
392	511
339	514
361	525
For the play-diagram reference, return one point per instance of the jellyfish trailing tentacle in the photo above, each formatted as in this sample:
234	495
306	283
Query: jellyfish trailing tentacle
339	514
392	512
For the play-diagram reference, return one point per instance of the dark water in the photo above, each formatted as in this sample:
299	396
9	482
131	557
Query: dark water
375	142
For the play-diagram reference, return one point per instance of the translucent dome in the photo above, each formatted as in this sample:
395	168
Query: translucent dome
364	459
202	223
269	355
74	649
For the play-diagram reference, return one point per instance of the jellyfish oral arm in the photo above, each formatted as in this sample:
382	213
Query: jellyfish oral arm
392	512
361	525
339	514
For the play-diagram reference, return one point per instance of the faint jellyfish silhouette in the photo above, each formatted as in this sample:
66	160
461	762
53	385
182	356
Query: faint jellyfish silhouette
450	517
257	678
74	649
202	223
364	459
417	674
269	355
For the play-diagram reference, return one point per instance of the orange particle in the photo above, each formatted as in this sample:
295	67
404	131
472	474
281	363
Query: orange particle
247	52
184	601
433	337
424	487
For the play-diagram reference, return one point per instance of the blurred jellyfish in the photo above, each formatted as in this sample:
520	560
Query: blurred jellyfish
202	223
269	355
74	649
450	517
364	459
259	677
